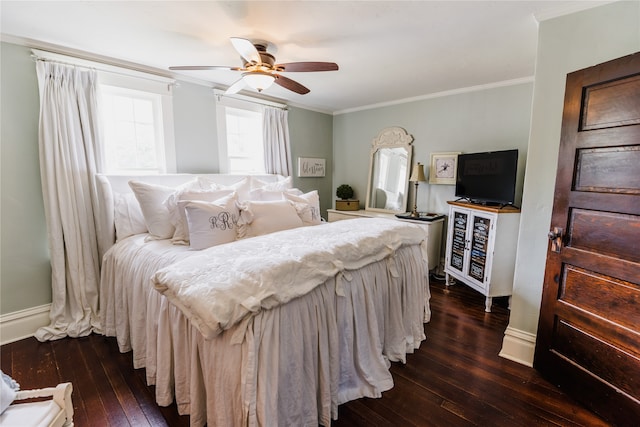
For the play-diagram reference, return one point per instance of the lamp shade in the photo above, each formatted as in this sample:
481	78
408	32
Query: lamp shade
417	174
258	80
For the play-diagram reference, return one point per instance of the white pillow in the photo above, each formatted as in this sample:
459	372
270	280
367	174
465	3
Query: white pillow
156	215
242	187
128	216
282	184
177	215
258	218
211	223
264	195
311	214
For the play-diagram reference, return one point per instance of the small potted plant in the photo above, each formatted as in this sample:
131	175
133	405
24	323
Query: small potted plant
344	191
346	203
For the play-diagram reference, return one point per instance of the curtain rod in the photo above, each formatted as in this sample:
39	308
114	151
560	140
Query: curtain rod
219	94
45	56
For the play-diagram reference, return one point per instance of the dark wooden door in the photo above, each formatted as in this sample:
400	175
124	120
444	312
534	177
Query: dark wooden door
588	339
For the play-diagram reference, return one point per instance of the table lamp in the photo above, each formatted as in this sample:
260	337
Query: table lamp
417	175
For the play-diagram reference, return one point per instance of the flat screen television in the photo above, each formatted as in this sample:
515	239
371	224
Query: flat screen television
488	178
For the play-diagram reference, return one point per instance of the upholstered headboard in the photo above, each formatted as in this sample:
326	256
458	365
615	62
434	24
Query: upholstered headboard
108	186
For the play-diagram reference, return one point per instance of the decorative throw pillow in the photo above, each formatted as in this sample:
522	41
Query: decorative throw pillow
128	216
258	218
311	214
211	223
177	215
156	215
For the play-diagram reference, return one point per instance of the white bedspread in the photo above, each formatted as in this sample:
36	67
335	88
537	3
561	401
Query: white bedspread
223	285
289	365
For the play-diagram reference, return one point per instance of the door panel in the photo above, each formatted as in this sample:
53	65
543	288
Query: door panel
459	241
480	250
589	330
612	104
608	169
592	231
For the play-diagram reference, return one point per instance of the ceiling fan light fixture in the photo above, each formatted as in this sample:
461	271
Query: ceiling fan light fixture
259	80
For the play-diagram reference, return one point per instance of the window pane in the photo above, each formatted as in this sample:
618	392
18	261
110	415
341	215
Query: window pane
245	150
132	136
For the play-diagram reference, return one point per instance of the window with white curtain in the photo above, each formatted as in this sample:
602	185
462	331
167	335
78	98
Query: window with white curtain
136	118
137	124
240	144
133	134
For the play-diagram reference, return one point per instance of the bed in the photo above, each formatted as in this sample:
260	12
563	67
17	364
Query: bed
275	328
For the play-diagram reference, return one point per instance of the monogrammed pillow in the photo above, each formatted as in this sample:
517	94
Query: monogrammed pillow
310	215
211	223
178	217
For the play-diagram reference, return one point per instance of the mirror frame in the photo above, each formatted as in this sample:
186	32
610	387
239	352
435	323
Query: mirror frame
391	137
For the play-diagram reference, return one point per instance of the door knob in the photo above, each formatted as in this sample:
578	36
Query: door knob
555	236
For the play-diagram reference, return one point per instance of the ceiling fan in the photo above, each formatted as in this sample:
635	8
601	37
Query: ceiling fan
260	69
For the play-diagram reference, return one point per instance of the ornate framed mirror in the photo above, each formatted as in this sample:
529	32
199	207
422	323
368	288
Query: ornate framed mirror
389	168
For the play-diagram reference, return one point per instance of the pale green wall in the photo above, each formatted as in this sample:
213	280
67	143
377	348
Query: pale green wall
479	120
565	44
196	133
25	270
311	135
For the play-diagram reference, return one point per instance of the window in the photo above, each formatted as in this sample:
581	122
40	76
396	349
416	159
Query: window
240	144
245	152
137	125
132	133
136	118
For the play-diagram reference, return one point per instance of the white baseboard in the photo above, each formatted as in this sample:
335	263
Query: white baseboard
23	324
518	346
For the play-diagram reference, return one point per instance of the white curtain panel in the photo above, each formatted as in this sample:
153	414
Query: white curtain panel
277	149
68	138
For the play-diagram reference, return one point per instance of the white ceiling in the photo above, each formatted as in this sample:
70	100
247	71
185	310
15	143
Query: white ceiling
386	50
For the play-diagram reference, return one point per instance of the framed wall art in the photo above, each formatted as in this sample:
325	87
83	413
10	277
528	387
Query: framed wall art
311	167
443	168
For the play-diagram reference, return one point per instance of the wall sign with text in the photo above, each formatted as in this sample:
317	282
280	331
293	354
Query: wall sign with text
311	167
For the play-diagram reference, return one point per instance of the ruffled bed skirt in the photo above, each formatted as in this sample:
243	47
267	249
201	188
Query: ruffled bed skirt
290	365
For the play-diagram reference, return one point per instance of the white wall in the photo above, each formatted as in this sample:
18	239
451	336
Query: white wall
565	44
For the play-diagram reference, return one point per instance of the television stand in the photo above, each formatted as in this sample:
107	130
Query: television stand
481	247
495	205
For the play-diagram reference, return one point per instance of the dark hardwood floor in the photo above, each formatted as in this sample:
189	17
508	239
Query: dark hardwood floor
456	378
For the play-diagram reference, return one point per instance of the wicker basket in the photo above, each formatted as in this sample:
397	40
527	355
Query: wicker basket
347	205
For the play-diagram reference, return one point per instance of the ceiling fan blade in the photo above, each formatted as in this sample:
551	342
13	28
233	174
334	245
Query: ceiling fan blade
246	49
236	87
307	66
292	85
205	67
